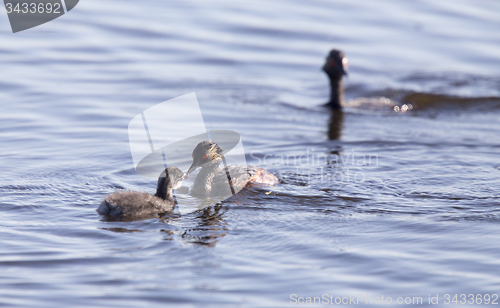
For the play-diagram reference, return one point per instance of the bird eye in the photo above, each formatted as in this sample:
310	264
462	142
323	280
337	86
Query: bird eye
205	156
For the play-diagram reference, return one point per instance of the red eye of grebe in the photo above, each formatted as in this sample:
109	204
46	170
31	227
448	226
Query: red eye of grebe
205	156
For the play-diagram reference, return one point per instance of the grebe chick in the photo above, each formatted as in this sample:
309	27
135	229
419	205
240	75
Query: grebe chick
133	203
335	68
212	181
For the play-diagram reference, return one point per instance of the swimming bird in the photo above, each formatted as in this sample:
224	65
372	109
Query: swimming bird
133	203
335	68
212	181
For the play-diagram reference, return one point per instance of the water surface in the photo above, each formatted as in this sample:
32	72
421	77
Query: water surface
373	202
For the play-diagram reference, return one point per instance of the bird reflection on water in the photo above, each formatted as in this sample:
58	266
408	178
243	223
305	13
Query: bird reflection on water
335	124
204	227
210	226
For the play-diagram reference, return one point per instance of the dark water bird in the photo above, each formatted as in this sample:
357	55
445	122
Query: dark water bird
133	203
212	181
335	68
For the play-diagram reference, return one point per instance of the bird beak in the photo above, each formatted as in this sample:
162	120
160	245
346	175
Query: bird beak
345	66
191	169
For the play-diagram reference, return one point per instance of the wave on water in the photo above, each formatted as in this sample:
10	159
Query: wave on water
409	101
422	101
417	91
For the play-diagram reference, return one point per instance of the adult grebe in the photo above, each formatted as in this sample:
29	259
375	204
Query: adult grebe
132	203
335	68
212	181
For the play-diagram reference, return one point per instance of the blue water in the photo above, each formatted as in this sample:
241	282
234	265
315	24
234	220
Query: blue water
398	204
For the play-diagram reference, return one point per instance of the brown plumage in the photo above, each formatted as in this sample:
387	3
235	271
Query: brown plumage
212	181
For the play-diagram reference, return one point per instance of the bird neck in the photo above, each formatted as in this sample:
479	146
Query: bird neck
336	93
203	182
164	189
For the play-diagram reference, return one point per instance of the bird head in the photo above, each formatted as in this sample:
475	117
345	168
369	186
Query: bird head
205	153
336	64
